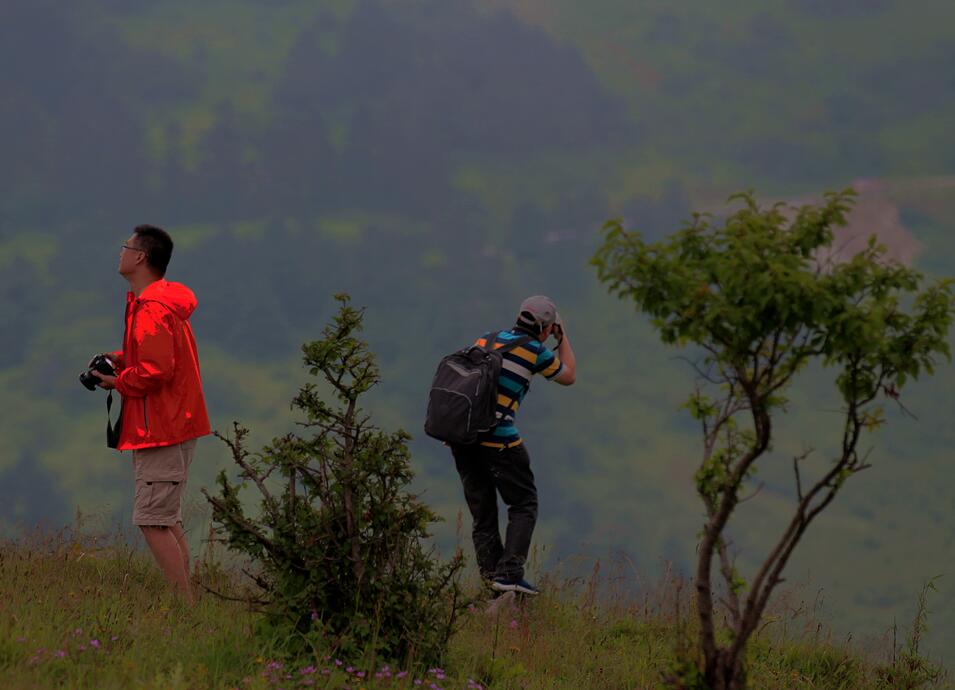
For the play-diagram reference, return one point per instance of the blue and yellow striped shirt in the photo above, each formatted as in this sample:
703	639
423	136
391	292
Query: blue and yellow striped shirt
519	365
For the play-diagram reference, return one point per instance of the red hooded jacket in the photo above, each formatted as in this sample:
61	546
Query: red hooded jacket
160	384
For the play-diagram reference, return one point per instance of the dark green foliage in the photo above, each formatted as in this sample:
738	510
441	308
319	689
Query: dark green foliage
762	296
338	544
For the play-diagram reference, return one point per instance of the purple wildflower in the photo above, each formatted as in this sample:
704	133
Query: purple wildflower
94	644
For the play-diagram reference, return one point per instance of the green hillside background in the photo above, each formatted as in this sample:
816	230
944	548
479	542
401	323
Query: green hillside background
440	160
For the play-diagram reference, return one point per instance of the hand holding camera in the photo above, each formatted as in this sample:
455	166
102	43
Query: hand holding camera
99	367
558	331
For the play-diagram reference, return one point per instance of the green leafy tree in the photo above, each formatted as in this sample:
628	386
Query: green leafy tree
763	295
338	546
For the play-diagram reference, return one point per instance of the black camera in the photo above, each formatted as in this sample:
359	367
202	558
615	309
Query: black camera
100	363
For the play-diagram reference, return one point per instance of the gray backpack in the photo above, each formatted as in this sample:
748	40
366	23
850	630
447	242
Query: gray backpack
462	402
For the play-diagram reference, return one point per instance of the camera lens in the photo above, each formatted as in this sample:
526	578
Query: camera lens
88	380
101	364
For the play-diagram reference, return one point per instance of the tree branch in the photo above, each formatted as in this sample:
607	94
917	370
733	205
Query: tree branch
239	455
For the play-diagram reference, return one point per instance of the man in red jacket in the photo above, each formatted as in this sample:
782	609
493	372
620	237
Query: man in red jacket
163	408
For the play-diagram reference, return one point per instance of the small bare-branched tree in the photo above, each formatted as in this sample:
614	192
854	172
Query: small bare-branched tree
338	544
763	295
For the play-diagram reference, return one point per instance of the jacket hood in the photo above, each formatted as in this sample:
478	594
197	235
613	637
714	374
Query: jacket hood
180	299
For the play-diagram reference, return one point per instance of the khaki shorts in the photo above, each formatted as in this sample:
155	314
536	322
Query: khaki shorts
161	475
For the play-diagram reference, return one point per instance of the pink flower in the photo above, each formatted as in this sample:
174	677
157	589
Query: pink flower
60	653
94	644
513	624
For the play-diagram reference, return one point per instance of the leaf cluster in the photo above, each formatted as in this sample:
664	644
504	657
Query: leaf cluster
767	292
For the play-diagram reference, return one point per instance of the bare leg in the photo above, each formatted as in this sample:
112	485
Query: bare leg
180	536
164	546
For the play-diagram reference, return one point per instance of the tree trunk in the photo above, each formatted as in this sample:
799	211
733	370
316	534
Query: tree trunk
724	671
348	494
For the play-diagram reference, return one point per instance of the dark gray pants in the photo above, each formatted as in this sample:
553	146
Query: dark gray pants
485	472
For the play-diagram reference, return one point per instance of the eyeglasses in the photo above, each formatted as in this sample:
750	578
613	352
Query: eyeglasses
135	249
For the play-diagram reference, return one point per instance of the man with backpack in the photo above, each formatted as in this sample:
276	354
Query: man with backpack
491	457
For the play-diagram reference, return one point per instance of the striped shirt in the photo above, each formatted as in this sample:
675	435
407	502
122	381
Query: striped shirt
520	364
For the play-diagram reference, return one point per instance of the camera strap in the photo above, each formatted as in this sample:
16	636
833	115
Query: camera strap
112	432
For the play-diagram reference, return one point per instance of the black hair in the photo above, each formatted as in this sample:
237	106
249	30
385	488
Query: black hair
157	244
525	324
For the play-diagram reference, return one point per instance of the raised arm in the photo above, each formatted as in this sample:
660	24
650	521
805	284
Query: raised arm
568	372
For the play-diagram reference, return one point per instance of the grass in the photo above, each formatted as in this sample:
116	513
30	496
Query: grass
91	611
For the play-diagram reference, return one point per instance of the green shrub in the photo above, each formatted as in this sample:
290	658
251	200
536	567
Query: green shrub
338	545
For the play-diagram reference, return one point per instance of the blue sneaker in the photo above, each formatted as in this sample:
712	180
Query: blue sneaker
504	584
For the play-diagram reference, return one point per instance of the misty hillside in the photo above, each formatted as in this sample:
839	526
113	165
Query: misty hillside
440	160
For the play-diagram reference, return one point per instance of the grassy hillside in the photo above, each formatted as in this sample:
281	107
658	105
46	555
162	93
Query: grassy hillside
85	611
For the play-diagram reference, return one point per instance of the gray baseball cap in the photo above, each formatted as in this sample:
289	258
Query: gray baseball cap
537	312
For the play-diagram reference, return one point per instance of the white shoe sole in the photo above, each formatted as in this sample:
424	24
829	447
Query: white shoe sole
513	588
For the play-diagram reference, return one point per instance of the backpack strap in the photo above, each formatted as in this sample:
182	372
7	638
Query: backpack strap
492	337
489	339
